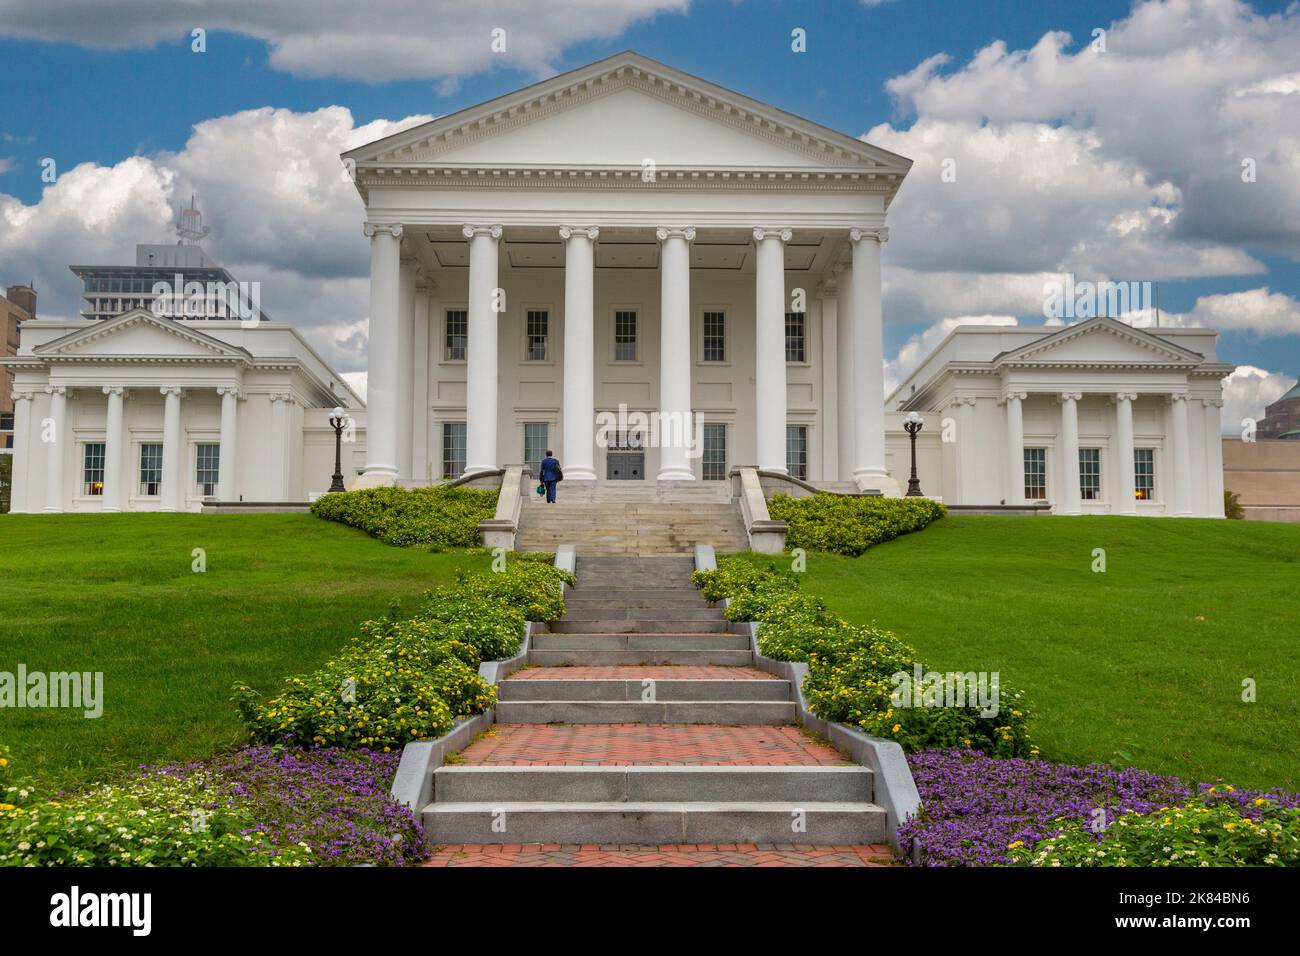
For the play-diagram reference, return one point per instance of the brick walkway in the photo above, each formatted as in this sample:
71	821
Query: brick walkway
725	855
641	672
626	744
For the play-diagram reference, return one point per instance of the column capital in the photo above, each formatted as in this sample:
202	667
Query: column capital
960	400
664	233
1014	395
784	234
1125	397
470	231
393	229
879	234
232	390
1212	402
172	390
23	394
1070	397
568	232
828	288
1177	396
56	390
281	397
114	390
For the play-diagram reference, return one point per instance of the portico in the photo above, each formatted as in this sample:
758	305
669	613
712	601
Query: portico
626	236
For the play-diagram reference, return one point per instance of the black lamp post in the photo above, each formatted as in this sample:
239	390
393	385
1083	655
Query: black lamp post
912	426
338	420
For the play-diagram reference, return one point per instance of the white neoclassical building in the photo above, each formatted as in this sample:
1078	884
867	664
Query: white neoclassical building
657	278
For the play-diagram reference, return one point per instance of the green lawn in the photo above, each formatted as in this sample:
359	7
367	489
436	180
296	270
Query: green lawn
116	593
1146	659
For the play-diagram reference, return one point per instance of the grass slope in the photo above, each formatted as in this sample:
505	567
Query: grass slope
1146	659
116	593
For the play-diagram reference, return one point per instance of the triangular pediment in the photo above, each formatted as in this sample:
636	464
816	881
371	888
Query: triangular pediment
620	112
140	334
1100	341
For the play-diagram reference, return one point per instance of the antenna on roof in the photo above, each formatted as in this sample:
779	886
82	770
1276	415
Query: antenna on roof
1157	285
189	225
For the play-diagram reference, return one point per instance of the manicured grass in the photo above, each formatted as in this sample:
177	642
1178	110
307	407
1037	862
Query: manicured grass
1145	660
116	593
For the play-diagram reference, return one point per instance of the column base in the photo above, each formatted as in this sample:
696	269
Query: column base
878	481
50	510
578	473
675	474
377	478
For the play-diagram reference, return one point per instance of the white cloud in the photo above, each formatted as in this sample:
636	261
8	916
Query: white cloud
375	41
1247	391
1255	310
919	346
358	382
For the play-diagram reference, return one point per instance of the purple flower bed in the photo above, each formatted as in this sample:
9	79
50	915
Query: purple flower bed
974	806
335	801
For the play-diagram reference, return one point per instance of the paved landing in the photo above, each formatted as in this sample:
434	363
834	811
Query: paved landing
663	744
724	855
642	672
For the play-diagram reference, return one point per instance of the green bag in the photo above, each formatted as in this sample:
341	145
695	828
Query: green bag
541	489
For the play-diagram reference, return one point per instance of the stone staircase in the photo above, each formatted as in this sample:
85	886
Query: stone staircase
644	519
640	721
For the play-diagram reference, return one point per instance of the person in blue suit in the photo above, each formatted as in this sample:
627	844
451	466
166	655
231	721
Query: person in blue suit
550	474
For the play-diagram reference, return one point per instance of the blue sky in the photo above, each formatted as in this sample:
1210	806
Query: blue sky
71	99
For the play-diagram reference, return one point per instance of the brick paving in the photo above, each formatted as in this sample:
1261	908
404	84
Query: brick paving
600	855
641	672
540	745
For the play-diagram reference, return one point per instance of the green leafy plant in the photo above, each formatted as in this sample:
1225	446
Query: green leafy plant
441	516
844	524
1232	506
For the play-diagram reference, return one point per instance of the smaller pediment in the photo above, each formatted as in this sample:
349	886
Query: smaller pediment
139	334
1100	341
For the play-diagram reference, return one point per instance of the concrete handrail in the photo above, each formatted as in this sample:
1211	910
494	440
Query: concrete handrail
473	476
894	788
499	531
765	535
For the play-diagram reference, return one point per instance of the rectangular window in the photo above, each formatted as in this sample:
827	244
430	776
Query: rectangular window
625	336
537	435
93	468
538	322
457	335
1144	473
714	460
1090	473
207	468
151	469
795	338
715	336
6	421
1035	474
453	449
796	451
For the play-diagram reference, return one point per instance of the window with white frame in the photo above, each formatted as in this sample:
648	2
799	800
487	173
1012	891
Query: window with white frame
453	449
456	335
92	468
796	328
537	332
715	337
1144	473
151	454
1035	474
207	468
796	451
625	336
1090	473
713	462
537	436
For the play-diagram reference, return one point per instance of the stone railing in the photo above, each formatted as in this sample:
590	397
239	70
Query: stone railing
766	536
499	531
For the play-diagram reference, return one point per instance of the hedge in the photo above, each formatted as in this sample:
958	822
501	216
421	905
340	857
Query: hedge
442	516
854	670
844	524
404	680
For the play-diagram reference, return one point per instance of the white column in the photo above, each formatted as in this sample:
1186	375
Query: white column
54	449
18	503
405	364
1015	460
769	346
424	292
578	448
227	464
869	360
830	380
1213	457
968	452
481	360
281	406
675	429
847	431
1182	457
1126	480
1067	497
169	494
113	448
384	356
